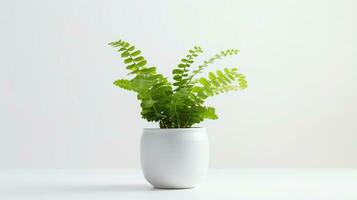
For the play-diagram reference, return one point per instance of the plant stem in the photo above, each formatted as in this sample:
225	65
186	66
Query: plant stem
178	119
188	120
157	114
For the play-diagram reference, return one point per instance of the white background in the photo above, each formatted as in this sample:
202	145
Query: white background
59	109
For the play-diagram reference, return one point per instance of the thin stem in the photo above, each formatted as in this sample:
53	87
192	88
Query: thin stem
157	114
178	119
200	68
188	120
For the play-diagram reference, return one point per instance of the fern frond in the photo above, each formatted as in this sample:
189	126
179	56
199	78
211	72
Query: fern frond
124	84
155	98
210	113
206	63
221	82
197	114
182	106
153	90
242	81
180	73
132	58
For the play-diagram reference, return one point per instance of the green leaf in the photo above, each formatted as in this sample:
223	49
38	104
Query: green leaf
215	83
219	73
222	80
230	77
136	71
222	76
150	70
125	54
141	84
182	65
131	48
203	81
128	60
210	113
177	77
177	71
203	96
131	67
212	76
148	103
124	84
208	91
196	89
139	59
142	63
135	53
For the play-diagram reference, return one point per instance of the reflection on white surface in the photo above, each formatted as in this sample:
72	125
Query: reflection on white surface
220	184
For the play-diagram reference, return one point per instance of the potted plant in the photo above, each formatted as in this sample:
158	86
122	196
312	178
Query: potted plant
176	154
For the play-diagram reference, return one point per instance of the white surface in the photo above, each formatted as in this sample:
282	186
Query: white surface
220	184
174	158
59	109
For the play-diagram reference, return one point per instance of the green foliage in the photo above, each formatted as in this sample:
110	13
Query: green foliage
229	80
179	104
124	84
206	63
180	73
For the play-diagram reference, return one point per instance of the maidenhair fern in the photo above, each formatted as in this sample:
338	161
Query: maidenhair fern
179	104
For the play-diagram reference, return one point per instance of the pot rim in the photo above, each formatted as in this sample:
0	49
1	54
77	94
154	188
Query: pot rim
174	130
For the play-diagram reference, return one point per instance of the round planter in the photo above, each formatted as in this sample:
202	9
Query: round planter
174	158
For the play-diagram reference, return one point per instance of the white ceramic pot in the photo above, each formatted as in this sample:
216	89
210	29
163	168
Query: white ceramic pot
174	158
